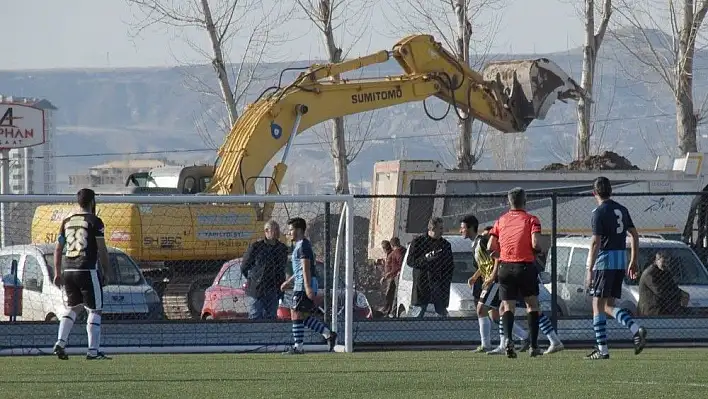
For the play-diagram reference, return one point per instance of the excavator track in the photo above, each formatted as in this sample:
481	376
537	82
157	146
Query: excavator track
184	296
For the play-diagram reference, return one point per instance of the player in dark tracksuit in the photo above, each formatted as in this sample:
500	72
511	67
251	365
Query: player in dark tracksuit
606	266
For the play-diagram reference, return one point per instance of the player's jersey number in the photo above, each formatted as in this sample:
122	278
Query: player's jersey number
77	233
620	221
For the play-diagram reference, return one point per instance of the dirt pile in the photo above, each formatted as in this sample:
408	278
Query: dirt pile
608	160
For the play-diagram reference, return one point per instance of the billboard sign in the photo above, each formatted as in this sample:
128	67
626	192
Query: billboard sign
21	126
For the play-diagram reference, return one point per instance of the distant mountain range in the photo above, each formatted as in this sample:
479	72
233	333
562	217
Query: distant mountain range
151	111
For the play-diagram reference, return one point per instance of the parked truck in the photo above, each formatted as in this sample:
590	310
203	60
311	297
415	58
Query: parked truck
681	217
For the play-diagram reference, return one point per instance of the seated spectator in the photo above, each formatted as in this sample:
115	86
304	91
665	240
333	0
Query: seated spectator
659	295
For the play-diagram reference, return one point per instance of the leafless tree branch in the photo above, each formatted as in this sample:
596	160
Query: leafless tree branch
225	22
670	56
591	49
460	26
348	19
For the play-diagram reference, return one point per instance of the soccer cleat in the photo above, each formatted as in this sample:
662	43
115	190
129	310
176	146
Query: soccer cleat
640	340
294	351
480	349
60	352
332	340
597	355
510	351
533	352
496	351
97	356
525	345
554	348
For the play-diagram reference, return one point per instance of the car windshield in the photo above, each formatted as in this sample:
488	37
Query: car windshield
464	267
685	267
123	270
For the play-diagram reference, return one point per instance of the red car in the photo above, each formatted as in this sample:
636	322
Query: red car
226	298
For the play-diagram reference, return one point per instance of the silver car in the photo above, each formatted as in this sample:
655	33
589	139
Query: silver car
462	302
689	273
126	295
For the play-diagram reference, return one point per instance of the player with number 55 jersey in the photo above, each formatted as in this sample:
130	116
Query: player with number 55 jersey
606	266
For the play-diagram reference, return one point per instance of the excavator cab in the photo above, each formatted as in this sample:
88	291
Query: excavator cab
171	180
195	179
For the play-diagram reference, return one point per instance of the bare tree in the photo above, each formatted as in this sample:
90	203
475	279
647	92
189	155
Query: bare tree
458	24
600	119
449	154
249	22
333	17
593	41
669	58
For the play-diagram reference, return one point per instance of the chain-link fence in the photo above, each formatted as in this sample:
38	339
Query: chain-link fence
669	295
175	263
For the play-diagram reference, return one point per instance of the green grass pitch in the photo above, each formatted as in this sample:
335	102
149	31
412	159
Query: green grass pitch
655	373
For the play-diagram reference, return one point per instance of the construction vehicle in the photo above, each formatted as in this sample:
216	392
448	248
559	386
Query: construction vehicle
670	217
508	96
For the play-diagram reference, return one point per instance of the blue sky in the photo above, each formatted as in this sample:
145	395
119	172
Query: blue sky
95	33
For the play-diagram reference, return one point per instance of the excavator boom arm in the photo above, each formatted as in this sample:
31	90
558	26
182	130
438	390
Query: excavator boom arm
508	96
267	126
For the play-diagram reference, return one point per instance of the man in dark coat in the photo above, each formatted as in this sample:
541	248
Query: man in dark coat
433	265
263	265
659	294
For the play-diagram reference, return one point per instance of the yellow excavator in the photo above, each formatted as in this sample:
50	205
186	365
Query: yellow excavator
186	244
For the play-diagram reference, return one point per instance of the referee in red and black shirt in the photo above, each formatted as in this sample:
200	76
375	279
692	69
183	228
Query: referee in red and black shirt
516	237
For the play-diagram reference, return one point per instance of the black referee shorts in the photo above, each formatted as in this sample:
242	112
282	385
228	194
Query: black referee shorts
517	280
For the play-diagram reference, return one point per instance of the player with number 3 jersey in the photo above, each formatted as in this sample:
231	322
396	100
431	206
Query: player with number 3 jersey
606	266
81	244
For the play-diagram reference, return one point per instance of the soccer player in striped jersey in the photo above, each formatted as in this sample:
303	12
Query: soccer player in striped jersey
489	302
303	278
606	265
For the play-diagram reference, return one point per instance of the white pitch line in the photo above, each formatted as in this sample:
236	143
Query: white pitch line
679	384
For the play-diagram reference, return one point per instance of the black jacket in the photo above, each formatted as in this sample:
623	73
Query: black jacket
433	266
263	265
659	295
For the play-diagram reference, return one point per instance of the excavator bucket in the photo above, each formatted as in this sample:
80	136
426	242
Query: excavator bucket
532	86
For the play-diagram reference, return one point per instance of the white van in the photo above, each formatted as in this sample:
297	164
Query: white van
572	253
126	295
462	302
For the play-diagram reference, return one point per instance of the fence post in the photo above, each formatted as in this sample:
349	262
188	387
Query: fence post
554	261
327	256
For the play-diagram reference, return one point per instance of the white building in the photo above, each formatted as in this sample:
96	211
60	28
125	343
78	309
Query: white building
41	161
111	176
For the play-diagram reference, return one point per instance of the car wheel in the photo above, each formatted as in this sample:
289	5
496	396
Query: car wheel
208	317
401	311
196	297
52	318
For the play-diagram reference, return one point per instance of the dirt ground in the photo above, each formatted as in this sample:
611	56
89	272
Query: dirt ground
608	160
